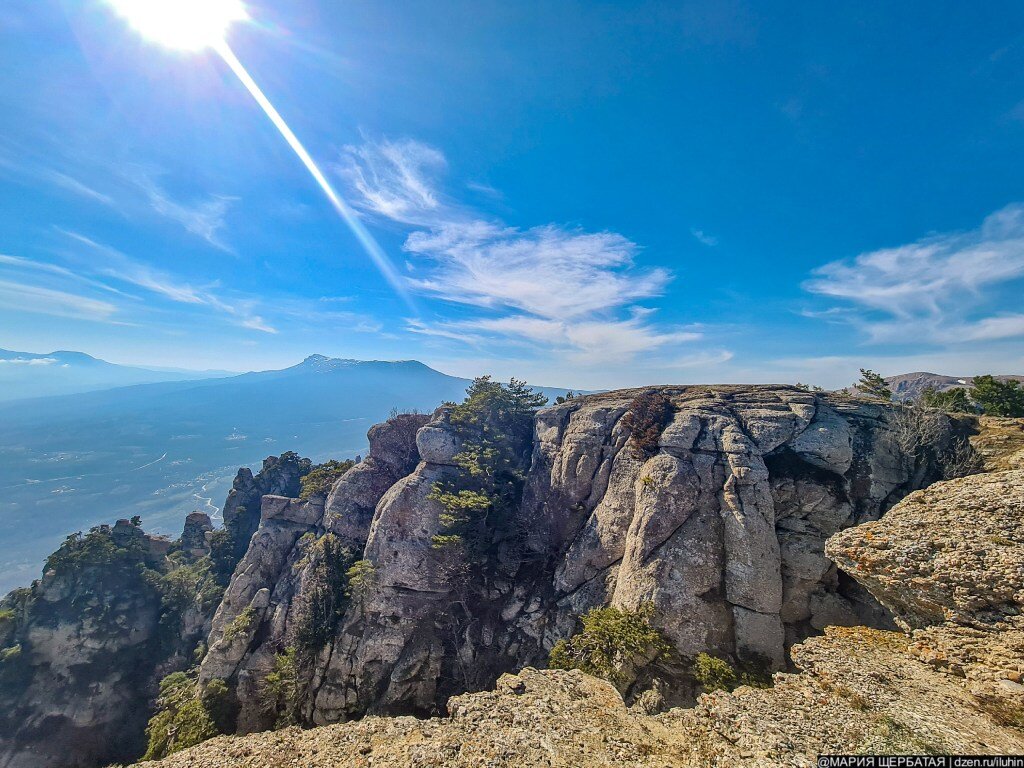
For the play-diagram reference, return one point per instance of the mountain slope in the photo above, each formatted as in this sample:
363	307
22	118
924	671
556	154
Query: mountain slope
27	374
161	450
910	386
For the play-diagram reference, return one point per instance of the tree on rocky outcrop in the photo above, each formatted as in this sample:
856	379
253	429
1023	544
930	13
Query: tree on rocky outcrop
646	419
998	398
873	385
953	400
495	426
322	477
612	644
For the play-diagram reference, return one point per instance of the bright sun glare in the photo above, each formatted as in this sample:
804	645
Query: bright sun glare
195	25
189	25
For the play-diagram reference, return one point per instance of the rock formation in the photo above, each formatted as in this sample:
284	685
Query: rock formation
83	649
80	648
712	506
280	476
946	559
721	524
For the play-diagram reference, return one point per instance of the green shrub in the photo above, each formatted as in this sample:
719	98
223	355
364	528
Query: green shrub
241	624
222	555
610	642
220	705
998	398
186	585
322	477
321	598
97	551
646	419
950	400
280	692
361	581
495	426
181	721
715	674
10	654
873	385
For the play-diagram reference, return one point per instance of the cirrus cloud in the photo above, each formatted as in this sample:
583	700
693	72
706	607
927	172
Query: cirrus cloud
548	287
937	289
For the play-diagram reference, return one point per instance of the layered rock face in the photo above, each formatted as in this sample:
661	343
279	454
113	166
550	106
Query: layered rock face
276	568
79	653
720	523
947	560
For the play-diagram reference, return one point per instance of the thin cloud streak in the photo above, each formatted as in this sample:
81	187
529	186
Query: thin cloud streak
548	288
930	290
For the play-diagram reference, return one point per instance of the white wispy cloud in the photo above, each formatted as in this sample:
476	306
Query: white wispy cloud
30	167
71	184
25	297
550	287
704	238
42	361
931	290
114	265
204	217
392	178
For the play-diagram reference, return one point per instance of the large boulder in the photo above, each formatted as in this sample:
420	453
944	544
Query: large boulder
952	552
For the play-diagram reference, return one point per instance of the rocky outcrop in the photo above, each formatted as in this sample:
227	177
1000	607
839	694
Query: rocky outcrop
76	670
279	476
942	559
717	518
937	542
721	525
259	613
195	537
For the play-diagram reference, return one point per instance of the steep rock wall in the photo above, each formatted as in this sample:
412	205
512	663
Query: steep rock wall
721	526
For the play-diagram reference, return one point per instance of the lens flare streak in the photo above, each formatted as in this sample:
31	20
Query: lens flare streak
367	240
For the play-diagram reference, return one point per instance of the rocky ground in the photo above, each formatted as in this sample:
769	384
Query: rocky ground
946	560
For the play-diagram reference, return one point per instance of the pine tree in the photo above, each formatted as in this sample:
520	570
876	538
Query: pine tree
998	398
873	385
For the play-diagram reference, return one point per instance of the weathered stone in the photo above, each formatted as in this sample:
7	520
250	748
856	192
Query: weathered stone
924	560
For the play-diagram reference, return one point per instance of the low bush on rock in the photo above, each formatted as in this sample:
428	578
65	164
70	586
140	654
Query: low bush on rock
241	624
715	674
612	644
322	478
280	693
646	419
184	718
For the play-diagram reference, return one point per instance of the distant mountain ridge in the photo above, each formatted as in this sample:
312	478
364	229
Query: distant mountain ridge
32	374
910	386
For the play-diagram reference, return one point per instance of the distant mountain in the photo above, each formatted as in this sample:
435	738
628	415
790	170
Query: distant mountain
910	386
162	450
28	374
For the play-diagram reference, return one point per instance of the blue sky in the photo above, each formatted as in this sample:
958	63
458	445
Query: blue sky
580	193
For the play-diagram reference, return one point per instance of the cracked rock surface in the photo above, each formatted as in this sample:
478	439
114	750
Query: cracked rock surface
721	525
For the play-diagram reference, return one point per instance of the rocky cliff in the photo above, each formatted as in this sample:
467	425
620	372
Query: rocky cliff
718	518
466	545
952	685
83	649
79	651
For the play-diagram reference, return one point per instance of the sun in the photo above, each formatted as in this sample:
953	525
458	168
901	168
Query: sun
187	25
